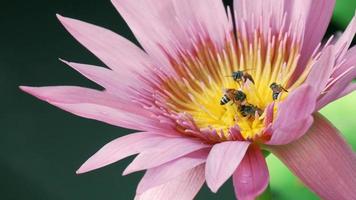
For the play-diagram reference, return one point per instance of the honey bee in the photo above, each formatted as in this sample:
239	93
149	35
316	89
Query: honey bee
242	76
236	96
250	111
276	90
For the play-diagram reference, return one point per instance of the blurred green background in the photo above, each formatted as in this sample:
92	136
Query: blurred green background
42	146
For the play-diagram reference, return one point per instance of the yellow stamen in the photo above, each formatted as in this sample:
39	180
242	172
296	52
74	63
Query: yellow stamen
201	80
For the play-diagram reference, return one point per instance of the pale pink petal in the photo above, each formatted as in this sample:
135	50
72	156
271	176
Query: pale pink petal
337	88
104	77
322	160
311	16
350	57
294	116
120	148
222	161
349	60
350	88
269	12
184	187
116	52
319	14
164	152
173	169
344	42
204	16
306	19
93	104
251	176
322	70
174	23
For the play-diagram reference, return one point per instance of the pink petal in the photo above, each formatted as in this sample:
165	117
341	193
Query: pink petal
252	11
222	161
104	77
184	187
322	160
337	88
164	152
173	169
251	176
317	21
120	148
349	60
294	116
115	51
322	70
308	19
93	104
172	24
269	114
350	88
344	42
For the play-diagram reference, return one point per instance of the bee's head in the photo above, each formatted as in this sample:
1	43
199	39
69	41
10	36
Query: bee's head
273	86
237	75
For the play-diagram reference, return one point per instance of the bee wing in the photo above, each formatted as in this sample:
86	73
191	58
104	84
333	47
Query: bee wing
249	77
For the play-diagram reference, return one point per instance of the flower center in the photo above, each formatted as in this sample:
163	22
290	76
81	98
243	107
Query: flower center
225	87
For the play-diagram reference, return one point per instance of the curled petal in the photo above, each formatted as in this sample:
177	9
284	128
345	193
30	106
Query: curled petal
269	114
184	187
222	161
349	60
166	151
251	176
337	88
322	160
322	70
294	116
171	170
120	148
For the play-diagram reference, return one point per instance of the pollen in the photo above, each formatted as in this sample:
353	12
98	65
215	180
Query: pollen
204	73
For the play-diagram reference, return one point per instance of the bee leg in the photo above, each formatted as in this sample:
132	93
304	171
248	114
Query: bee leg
238	82
279	96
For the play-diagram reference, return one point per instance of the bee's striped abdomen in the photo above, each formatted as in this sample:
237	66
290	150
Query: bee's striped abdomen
224	100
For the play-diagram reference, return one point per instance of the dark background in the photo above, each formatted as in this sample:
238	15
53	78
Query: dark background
41	146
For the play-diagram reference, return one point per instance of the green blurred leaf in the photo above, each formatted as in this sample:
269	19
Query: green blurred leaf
344	10
266	195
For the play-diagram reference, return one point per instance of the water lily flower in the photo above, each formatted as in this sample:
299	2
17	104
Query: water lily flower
181	94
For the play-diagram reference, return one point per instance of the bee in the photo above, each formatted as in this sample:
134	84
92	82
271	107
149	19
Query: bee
250	111
276	90
242	76
236	96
